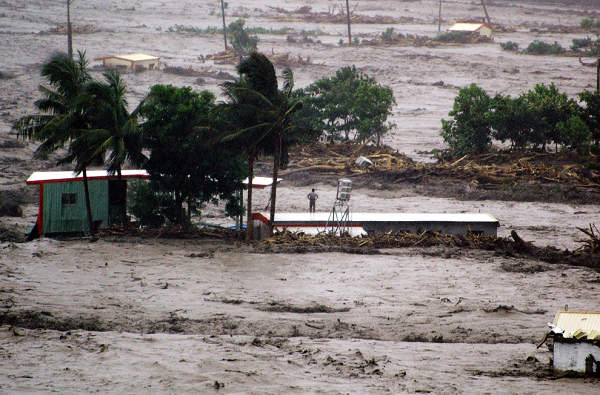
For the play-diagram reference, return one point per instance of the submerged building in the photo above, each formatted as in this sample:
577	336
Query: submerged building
131	61
577	342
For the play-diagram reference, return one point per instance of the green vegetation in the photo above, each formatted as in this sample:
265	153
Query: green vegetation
532	121
241	41
350	105
542	48
582	46
182	29
391	36
470	130
586	46
195	30
262	118
187	159
199	152
509	46
64	117
454	37
589	23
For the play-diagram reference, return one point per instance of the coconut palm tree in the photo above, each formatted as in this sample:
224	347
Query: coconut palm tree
62	116
264	118
113	129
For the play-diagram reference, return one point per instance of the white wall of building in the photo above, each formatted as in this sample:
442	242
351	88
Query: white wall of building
571	356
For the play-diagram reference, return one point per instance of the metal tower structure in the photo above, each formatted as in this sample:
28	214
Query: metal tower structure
339	217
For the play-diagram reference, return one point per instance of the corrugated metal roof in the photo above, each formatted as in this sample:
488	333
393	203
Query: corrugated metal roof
53	176
467	27
134	57
322	217
571	321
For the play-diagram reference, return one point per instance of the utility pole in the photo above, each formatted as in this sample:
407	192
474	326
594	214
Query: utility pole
69	30
224	25
348	18
486	13
597	64
598	75
440	19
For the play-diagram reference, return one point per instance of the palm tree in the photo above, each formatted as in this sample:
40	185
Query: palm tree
264	115
114	130
62	116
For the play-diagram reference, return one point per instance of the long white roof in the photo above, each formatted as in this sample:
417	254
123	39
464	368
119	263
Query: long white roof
53	176
359	217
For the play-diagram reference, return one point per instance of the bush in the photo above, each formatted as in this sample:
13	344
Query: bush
575	134
151	208
509	46
349	105
469	132
241	41
454	37
586	23
542	48
390	36
582	42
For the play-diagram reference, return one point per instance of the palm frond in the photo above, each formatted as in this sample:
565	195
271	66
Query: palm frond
259	71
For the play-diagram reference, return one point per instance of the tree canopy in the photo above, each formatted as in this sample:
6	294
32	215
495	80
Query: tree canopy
64	118
349	105
264	117
533	120
187	158
469	132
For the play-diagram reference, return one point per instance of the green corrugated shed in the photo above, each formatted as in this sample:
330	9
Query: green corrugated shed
62	200
72	218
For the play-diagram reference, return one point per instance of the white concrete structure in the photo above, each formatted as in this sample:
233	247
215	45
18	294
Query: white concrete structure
572	356
378	223
577	342
132	61
481	28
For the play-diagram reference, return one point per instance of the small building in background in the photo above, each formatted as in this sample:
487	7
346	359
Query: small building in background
577	342
62	200
479	28
134	61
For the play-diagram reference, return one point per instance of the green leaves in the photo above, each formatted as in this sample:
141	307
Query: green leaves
241	41
470	130
187	159
532	120
348	105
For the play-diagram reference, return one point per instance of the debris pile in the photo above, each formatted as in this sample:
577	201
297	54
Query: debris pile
62	29
173	232
205	72
283	59
592	243
342	159
503	169
287	242
488	170
401	239
336	14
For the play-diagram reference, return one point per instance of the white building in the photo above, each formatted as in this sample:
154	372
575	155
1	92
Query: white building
577	342
132	61
481	28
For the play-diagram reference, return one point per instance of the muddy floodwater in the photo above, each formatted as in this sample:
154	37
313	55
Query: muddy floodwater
129	315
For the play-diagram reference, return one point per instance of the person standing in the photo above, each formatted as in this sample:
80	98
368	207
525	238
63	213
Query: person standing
312	198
